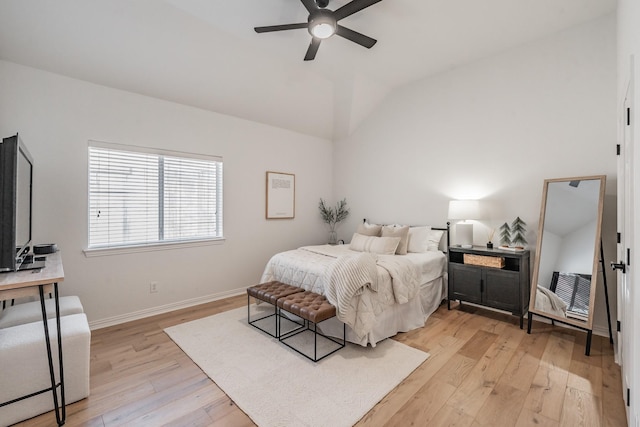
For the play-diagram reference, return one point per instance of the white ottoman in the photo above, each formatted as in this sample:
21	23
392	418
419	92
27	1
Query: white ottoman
25	369
32	312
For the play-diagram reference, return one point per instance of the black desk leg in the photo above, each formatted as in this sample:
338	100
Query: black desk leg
63	406
587	349
60	411
529	319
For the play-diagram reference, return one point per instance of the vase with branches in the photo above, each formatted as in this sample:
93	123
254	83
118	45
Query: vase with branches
332	216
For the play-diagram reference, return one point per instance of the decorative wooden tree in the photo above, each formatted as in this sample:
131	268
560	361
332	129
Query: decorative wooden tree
505	235
518	230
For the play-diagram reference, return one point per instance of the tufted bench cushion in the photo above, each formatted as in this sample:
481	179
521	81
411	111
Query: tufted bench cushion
271	291
308	305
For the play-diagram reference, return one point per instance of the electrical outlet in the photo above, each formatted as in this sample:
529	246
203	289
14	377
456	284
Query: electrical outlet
153	287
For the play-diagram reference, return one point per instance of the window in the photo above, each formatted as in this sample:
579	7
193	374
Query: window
142	196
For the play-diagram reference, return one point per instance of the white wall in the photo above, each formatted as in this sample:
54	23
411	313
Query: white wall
576	253
551	244
494	130
56	116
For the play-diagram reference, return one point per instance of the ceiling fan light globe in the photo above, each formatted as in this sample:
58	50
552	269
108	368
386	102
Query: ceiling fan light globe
323	30
322	24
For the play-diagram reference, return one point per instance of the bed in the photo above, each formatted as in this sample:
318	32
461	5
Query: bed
377	291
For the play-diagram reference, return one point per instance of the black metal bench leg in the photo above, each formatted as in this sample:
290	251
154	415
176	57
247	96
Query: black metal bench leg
276	333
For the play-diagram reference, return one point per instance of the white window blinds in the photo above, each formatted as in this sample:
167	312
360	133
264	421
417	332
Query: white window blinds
141	196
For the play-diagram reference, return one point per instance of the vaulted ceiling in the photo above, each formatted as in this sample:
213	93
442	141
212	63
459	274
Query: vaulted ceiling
205	53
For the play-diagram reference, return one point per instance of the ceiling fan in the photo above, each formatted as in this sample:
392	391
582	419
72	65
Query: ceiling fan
323	23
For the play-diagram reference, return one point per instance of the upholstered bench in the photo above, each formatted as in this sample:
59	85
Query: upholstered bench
269	292
24	366
313	308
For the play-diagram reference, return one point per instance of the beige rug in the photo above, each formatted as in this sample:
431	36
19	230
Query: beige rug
275	386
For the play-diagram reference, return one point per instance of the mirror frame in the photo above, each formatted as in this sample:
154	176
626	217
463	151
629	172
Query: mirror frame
588	325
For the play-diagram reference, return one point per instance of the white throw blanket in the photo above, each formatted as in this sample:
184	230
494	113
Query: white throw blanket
349	277
352	282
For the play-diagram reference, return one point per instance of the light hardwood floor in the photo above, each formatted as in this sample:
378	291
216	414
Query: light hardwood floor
483	371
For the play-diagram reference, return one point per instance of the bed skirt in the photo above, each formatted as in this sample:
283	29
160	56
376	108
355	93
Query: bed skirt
396	318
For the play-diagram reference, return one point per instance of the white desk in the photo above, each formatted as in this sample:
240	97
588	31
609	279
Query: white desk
38	282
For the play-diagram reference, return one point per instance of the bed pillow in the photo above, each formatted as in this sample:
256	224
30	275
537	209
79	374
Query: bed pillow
367	229
374	244
398	231
419	239
434	239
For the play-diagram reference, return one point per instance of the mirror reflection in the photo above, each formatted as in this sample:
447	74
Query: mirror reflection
568	243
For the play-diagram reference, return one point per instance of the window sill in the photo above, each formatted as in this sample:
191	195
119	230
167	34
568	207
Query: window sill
90	253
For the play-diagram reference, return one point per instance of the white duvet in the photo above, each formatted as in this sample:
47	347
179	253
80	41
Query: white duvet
360	285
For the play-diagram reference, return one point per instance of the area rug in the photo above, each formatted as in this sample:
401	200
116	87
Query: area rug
275	386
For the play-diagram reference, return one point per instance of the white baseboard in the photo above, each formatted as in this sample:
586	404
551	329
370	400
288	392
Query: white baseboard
603	331
136	315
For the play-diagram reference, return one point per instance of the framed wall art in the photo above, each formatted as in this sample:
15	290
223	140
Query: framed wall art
281	195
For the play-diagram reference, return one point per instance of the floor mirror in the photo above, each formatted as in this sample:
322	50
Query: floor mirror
564	278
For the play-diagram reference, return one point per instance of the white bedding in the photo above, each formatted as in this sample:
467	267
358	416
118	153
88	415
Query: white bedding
321	269
549	302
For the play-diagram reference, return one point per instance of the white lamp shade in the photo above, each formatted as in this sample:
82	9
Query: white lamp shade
464	209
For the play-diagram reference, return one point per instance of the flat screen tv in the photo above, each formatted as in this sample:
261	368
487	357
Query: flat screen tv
16	181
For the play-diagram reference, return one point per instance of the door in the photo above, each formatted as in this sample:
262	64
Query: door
502	290
625	226
467	283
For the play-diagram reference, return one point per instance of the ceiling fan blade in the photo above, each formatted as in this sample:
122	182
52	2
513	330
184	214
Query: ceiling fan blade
310	5
281	27
313	49
353	7
355	37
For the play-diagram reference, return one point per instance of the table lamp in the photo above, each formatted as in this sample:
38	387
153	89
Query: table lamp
464	210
